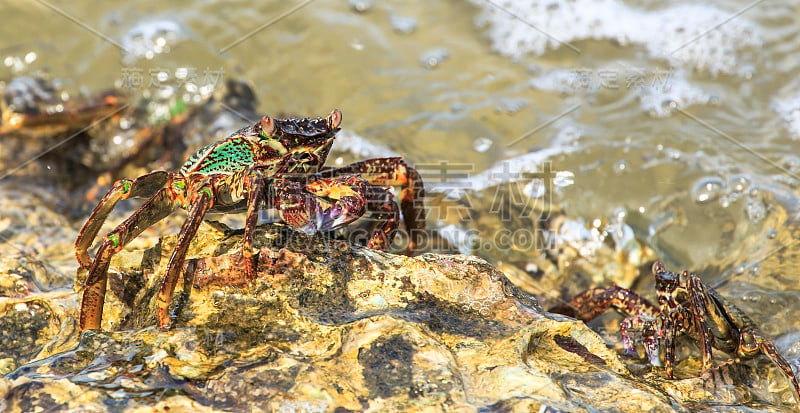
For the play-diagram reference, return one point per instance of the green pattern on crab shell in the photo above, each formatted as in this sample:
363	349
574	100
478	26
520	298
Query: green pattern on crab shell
227	156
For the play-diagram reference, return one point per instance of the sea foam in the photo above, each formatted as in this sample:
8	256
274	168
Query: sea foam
695	36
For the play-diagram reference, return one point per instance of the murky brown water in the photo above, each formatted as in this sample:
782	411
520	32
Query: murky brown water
678	117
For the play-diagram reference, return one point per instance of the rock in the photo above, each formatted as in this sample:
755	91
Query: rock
326	327
538	246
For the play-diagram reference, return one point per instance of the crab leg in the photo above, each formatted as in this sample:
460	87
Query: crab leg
751	342
255	182
672	325
143	187
380	203
703	304
768	348
412	204
395	172
200	205
155	209
593	302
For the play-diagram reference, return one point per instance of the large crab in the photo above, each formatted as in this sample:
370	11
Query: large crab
274	163
686	306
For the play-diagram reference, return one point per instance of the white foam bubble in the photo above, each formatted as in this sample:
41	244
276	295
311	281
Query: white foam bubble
789	110
661	99
689	35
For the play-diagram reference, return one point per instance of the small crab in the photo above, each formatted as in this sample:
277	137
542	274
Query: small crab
686	306
32	106
274	163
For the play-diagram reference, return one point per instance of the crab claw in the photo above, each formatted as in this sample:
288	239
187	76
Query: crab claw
653	350
629	346
330	218
628	331
314	217
648	331
321	205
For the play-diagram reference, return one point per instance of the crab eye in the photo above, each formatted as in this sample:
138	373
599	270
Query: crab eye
335	119
748	341
658	268
267	127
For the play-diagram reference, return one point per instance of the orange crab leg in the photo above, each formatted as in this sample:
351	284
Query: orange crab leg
143	187
381	205
200	205
672	325
702	305
768	348
593	302
395	172
255	183
155	209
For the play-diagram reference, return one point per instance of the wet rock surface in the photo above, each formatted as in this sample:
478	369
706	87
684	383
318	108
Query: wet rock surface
325	327
329	327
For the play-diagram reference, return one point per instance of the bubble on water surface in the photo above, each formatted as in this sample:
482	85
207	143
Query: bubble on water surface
433	58
620	166
564	179
511	106
20	64
403	24
739	183
457	107
707	189
673	154
149	38
357	45
482	144
790	163
772	234
755	270
360	6
534	189
755	211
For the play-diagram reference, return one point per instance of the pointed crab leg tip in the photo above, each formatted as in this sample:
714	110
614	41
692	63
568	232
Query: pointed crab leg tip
335	118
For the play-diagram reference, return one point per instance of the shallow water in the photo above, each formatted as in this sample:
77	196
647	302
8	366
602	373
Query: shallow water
682	119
